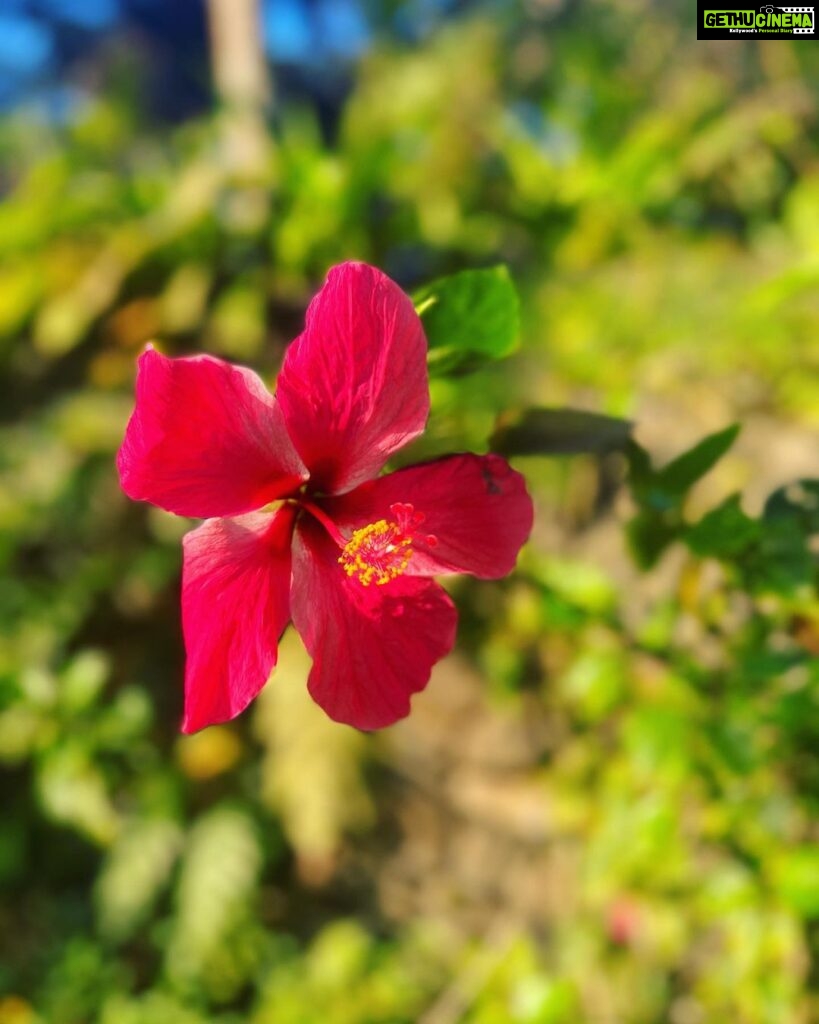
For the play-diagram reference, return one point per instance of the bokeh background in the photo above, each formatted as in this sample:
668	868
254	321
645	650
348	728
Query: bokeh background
604	807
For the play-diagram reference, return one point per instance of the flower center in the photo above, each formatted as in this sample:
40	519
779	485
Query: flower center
380	551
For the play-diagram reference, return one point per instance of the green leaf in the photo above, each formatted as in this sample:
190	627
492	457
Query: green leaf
724	532
666	488
783	561
798	501
660	493
644	479
470	318
680	475
649	533
796	879
561	432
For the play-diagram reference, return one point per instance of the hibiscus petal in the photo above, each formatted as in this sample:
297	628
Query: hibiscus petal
475	506
353	387
235	605
205	439
372	647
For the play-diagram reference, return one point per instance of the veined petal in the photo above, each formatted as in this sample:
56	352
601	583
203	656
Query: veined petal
235	605
372	647
475	513
354	387
206	439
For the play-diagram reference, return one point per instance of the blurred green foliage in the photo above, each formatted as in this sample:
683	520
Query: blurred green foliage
604	809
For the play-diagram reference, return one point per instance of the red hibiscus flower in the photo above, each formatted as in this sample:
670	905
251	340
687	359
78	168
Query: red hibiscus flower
298	524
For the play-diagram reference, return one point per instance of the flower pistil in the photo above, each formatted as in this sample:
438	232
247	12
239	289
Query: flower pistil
381	551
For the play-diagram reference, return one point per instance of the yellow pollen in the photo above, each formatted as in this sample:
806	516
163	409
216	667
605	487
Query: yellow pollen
377	553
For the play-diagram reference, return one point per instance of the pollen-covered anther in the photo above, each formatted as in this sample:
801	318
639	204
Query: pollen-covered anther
377	553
